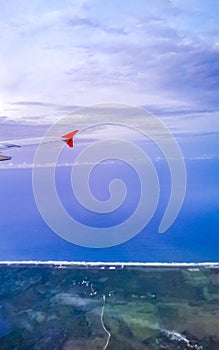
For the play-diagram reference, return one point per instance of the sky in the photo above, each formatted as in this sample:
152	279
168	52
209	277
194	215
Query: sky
162	54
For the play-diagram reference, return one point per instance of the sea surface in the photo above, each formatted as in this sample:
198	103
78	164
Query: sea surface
193	237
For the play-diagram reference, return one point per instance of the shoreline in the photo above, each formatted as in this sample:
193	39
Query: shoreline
110	265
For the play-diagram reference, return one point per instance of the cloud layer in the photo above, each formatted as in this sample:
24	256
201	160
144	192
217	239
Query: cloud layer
57	55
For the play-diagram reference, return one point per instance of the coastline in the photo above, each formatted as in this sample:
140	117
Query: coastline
110	265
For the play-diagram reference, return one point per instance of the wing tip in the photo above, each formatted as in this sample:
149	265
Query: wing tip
3	157
71	134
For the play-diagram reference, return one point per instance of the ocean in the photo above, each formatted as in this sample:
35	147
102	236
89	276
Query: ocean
193	237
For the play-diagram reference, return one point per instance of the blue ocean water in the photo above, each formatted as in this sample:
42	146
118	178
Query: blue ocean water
194	236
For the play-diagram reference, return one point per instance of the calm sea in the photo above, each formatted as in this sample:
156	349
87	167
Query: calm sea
194	236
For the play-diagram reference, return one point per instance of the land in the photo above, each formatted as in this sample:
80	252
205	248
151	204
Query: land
65	307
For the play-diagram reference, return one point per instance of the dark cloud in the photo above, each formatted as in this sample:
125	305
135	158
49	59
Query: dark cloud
91	23
194	73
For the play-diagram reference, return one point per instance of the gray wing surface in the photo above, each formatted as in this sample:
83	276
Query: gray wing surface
5	145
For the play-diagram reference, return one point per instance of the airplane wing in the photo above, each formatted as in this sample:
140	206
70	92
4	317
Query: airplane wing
3	157
5	145
68	138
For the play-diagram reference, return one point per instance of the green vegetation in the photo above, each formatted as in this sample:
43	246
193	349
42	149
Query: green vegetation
140	308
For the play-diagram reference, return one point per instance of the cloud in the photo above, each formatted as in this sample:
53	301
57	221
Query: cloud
23	165
45	105
162	54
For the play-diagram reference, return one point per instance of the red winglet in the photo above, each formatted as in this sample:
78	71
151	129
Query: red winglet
69	138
